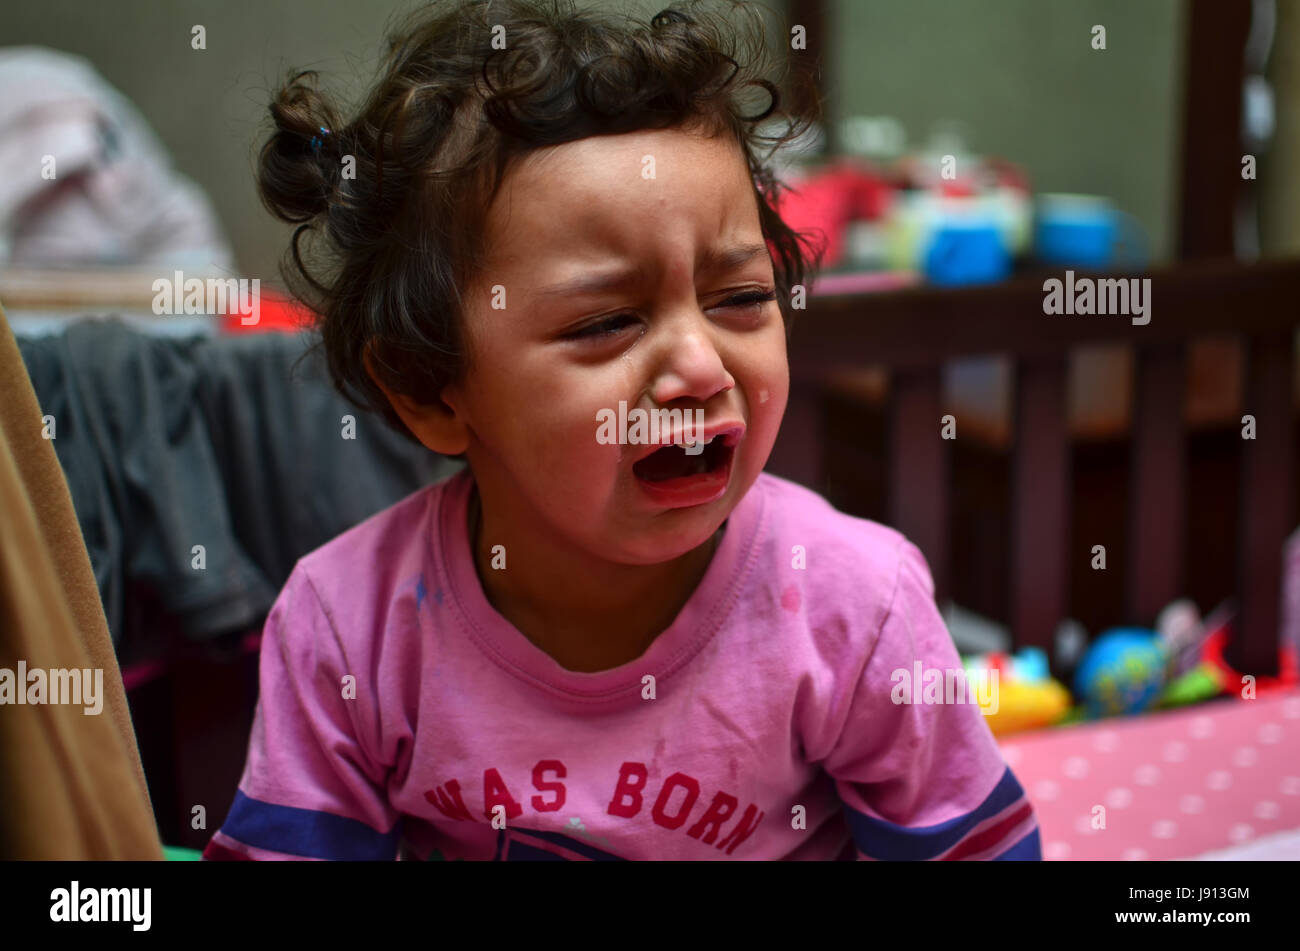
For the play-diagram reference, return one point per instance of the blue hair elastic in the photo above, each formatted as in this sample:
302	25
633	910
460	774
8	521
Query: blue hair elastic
316	139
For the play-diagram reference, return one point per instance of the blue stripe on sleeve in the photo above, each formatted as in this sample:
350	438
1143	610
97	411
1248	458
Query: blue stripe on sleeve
305	832
892	843
1028	849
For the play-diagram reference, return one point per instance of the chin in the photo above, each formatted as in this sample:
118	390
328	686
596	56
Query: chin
671	540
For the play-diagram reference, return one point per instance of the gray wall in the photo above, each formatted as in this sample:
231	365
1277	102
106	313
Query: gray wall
1019	72
209	106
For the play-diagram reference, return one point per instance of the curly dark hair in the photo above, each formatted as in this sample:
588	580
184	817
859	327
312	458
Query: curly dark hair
437	134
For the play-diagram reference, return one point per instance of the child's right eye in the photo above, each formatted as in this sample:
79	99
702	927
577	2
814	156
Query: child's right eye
603	328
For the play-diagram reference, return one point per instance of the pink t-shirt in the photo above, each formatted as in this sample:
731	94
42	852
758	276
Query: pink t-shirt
401	716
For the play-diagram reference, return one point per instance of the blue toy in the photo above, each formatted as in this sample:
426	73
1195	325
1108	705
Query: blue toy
1123	672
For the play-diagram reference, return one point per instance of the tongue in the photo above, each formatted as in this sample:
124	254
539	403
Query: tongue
670	462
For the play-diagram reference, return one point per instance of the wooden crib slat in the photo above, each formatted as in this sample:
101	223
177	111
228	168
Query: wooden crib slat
1040	527
918	470
800	448
1157	500
923	327
1266	503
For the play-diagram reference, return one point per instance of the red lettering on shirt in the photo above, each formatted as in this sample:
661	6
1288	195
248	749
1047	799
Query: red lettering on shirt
495	793
743	829
554	766
692	788
627	789
720	810
447	799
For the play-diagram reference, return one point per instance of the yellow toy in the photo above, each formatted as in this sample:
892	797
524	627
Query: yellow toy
1021	694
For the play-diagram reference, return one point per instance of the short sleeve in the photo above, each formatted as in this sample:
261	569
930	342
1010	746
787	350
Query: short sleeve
309	790
924	779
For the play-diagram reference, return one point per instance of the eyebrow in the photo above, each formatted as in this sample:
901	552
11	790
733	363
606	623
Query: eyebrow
711	260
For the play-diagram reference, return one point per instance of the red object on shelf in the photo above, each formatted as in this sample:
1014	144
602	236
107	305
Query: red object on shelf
275	314
829	199
955	189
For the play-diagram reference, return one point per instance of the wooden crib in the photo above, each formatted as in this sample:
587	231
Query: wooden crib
913	333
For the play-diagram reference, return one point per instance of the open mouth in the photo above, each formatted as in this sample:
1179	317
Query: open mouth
673	462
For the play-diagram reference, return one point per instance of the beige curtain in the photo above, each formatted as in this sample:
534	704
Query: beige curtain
71	784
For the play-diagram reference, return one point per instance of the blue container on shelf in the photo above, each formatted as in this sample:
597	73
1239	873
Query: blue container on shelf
966	253
1086	231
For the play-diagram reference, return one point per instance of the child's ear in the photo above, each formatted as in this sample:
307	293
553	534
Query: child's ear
437	425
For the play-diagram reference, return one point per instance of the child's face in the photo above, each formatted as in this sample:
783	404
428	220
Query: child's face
646	206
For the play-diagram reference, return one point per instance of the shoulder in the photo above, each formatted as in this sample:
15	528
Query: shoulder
835	547
853	577
358	578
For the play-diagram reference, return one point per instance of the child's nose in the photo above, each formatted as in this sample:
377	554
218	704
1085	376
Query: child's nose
691	368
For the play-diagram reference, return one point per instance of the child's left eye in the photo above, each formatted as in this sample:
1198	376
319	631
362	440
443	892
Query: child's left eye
751	299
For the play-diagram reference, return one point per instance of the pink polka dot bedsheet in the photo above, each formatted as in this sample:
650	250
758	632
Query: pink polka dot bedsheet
1220	780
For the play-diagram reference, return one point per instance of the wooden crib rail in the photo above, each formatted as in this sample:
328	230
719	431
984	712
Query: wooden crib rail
915	332
35	289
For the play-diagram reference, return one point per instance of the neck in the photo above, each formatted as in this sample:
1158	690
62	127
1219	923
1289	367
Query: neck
587	613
